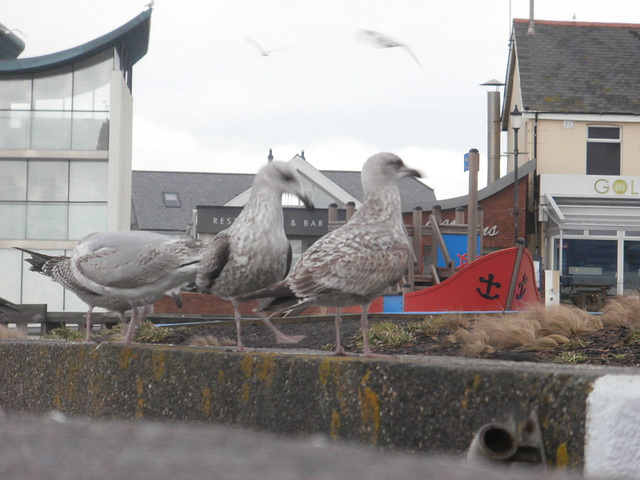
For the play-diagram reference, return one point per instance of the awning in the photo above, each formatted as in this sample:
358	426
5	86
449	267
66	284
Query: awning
571	212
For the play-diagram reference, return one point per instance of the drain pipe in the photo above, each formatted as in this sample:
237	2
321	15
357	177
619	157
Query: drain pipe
492	443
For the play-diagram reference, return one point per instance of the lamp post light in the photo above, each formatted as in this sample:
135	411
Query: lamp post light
516	123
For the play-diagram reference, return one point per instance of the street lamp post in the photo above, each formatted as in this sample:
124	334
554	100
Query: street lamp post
516	123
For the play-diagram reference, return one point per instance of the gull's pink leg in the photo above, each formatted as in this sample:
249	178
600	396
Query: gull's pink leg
364	326
280	337
238	318
87	337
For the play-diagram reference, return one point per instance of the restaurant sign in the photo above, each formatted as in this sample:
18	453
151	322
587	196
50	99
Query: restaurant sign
297	221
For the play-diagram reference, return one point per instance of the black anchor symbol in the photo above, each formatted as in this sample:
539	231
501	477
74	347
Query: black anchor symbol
490	283
521	285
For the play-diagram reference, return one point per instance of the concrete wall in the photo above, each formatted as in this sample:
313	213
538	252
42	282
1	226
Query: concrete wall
433	404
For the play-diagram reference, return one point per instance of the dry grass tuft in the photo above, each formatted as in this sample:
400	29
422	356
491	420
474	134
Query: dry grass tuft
622	312
6	332
539	328
210	341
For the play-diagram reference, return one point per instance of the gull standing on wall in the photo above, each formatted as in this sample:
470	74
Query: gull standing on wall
254	251
357	262
135	267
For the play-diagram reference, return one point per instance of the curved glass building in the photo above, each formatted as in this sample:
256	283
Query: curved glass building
65	152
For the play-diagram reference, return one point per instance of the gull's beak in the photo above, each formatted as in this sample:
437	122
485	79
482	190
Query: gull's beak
308	203
408	172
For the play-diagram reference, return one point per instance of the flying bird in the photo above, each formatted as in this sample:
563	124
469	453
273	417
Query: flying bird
357	262
253	252
380	40
135	267
257	46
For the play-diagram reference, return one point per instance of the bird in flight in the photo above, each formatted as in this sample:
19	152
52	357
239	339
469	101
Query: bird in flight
256	45
380	40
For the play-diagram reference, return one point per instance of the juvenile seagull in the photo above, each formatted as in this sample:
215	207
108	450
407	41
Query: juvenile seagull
380	40
253	252
134	267
58	269
357	262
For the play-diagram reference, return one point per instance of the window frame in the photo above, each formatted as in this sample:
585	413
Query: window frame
597	166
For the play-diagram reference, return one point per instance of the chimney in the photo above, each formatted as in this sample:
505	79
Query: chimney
531	30
493	130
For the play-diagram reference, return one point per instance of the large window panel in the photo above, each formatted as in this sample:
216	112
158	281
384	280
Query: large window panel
15	129
51	131
90	131
91	83
53	91
590	258
15	94
88	181
36	288
13	221
13	180
47	222
48	181
11	261
86	219
632	265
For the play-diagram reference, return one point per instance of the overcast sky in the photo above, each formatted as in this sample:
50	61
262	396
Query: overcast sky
205	99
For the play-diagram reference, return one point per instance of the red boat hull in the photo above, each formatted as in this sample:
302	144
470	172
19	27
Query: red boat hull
481	286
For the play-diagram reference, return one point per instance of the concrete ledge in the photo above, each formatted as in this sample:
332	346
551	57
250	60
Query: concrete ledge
434	404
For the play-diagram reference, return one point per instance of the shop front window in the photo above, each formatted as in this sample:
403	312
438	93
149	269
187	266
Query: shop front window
632	265
589	258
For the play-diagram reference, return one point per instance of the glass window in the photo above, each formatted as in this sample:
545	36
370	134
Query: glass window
88	181
47	222
15	94
603	151
48	181
589	258
90	131
12	226
631	265
51	131
86	219
15	128
13	179
53	91
91	82
171	199
36	288
11	261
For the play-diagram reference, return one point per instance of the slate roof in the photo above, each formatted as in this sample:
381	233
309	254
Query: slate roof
193	189
579	67
148	210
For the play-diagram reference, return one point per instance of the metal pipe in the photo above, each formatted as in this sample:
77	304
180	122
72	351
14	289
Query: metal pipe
493	136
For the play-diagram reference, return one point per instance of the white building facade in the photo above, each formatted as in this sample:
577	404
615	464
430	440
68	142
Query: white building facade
65	154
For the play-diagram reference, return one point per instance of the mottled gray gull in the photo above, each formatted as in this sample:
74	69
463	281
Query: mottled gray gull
253	252
58	269
357	262
135	267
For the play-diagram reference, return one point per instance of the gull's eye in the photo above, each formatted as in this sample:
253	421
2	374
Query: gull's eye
287	177
396	162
